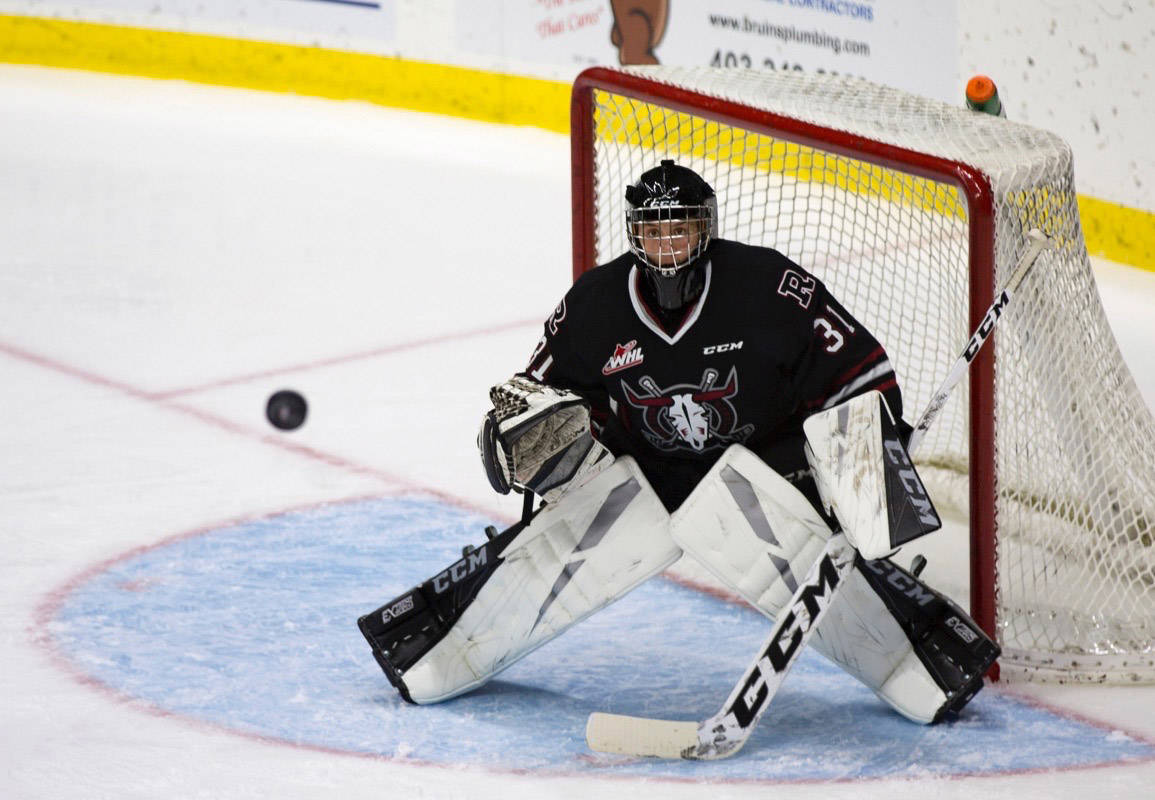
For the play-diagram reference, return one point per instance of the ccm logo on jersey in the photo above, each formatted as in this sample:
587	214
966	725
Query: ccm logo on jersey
625	356
721	348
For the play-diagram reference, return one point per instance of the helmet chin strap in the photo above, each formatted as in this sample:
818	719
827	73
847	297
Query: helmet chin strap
678	290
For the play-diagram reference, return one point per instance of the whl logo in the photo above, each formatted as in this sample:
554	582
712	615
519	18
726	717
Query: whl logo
625	356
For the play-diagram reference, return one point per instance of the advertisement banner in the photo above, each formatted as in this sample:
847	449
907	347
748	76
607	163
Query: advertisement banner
910	44
361	25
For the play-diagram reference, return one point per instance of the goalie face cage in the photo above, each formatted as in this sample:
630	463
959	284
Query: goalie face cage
912	212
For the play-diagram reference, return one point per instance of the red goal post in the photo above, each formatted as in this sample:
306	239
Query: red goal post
800	162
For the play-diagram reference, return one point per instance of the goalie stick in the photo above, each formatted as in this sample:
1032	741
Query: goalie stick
727	731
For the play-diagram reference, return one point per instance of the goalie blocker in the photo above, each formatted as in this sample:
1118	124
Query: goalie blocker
865	477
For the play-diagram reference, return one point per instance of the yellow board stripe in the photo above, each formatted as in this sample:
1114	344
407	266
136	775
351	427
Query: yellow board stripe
1119	233
435	88
1122	234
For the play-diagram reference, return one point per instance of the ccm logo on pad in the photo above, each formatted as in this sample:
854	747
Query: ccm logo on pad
459	570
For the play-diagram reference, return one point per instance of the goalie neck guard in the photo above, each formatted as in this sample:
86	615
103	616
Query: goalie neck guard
671	218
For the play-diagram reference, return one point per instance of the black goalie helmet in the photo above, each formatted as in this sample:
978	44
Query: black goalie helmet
672	216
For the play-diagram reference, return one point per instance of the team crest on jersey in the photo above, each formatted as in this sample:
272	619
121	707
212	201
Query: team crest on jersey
625	356
689	417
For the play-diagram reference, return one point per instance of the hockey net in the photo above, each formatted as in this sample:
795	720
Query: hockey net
912	211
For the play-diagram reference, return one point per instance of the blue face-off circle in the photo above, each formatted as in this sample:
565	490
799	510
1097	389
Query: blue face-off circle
253	627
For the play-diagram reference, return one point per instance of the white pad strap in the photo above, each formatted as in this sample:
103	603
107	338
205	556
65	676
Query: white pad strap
865	476
576	556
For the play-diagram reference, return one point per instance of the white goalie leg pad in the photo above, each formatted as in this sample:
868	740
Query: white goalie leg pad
865	476
755	532
577	556
860	635
751	529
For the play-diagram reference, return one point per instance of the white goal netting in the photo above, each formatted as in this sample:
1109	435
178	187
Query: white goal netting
841	188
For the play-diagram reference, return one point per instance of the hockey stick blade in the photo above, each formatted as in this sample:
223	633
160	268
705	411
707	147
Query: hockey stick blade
727	731
639	736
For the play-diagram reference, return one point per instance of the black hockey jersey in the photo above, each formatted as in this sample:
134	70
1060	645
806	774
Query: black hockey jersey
763	347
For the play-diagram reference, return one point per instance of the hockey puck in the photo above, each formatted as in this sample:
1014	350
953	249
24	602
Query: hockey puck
286	409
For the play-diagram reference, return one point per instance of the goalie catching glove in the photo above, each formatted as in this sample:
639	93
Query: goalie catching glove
537	438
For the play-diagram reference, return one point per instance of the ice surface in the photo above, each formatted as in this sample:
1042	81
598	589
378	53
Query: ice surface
251	627
174	253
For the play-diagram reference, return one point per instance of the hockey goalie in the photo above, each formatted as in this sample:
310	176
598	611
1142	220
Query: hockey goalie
702	397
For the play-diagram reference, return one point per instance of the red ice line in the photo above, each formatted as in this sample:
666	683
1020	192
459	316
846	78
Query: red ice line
166	400
345	359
